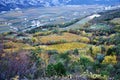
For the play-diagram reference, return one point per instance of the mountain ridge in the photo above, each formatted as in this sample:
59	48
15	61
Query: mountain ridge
6	5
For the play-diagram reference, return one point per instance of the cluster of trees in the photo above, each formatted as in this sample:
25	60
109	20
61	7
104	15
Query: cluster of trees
12	65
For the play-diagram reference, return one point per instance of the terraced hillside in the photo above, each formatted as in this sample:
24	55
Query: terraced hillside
87	51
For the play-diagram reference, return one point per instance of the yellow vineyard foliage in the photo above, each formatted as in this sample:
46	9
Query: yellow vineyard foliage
11	47
69	37
65	46
110	59
95	50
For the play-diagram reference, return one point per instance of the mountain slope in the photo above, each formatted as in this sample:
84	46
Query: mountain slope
105	2
12	4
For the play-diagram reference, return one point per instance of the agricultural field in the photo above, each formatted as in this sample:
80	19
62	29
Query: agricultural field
65	37
18	20
66	46
12	47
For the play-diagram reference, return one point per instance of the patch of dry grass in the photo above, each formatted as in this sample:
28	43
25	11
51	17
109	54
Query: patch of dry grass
11	47
68	37
65	46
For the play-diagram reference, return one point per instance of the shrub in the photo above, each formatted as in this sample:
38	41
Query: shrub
35	55
96	49
118	49
76	52
103	49
91	50
110	59
107	69
56	69
64	57
116	71
100	57
116	39
75	67
86	62
111	51
50	70
60	69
